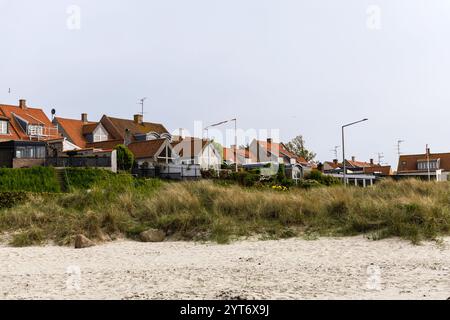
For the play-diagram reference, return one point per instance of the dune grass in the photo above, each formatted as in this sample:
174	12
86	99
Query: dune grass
204	210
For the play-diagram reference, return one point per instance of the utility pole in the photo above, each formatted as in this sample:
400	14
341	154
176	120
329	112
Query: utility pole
428	163
343	147
399	142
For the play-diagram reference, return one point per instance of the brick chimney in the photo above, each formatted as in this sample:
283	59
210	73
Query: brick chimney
353	158
23	104
371	162
138	119
335	161
84	117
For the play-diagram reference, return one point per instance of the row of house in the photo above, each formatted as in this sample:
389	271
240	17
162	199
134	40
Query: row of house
29	138
426	166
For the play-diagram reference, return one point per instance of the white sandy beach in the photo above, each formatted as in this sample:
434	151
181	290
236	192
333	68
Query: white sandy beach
329	268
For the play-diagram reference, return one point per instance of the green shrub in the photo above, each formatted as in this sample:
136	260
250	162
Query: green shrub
125	158
322	178
36	179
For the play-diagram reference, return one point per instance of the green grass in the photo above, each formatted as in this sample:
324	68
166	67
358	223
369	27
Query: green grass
204	210
37	179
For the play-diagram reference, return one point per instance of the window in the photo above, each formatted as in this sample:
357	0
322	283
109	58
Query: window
423	165
30	152
3	127
35	130
100	135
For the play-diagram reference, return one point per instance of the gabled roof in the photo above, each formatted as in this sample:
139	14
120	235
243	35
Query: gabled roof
74	130
35	116
147	148
408	163
333	164
189	146
117	127
282	151
358	164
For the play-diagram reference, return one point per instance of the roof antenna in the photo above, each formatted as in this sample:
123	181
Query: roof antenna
335	151
9	90
141	102
399	142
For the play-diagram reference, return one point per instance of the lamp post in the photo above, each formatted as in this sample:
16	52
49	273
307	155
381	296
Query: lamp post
343	147
235	137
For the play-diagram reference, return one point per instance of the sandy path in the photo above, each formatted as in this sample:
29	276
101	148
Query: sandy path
328	268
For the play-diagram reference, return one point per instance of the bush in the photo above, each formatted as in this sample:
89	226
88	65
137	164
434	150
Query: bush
10	199
125	158
36	179
245	178
322	178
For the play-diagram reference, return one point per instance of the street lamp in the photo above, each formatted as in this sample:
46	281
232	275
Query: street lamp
235	137
343	147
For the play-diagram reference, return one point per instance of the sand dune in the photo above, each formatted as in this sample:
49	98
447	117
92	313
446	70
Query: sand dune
329	268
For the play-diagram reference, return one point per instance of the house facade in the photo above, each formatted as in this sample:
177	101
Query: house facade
197	151
149	142
24	135
435	165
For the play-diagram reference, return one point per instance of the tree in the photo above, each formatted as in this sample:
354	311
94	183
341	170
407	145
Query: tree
125	157
297	147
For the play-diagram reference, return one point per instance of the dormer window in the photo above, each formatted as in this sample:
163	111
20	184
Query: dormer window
100	134
3	127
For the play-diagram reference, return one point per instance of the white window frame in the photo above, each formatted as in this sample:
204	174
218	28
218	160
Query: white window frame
100	134
3	127
35	130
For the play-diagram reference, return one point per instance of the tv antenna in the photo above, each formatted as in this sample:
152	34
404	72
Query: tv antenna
141	102
335	151
399	142
380	157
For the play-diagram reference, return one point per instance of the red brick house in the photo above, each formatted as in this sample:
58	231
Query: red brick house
149	142
24	135
417	165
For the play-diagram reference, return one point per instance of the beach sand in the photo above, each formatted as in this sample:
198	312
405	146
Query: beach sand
327	268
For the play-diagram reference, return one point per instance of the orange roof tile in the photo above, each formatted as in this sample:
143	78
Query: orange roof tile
73	129
147	148
33	116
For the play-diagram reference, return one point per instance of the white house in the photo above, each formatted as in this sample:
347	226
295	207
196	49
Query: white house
197	151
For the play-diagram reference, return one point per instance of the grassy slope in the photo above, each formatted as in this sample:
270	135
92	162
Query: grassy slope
204	210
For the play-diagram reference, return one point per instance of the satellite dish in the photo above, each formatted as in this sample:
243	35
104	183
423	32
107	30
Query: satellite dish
53	111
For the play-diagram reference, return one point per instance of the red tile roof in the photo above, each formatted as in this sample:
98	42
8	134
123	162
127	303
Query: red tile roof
384	170
408	163
146	149
117	127
74	130
34	116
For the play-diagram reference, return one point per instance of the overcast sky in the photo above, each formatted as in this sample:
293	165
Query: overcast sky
304	67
